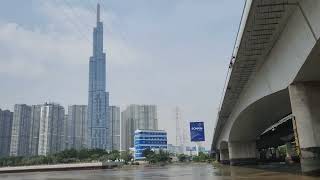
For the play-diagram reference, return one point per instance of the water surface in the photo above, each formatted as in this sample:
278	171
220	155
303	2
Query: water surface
171	172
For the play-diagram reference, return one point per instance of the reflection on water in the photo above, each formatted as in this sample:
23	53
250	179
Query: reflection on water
176	172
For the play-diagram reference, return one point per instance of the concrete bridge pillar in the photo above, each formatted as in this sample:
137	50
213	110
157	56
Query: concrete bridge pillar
290	152
305	103
242	153
224	156
217	155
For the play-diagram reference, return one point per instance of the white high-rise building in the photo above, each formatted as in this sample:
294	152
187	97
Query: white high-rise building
136	117
114	132
25	130
5	132
20	132
51	132
76	130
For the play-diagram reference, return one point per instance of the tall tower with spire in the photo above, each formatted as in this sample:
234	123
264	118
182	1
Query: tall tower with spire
98	100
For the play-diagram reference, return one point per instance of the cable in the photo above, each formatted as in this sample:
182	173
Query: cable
233	58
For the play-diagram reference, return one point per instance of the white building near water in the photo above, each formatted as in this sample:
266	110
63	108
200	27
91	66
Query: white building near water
51	132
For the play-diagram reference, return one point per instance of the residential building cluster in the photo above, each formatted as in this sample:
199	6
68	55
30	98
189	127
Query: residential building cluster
48	128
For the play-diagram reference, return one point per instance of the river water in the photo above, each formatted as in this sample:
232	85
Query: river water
172	172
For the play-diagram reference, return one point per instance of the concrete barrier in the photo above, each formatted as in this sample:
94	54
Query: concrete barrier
61	167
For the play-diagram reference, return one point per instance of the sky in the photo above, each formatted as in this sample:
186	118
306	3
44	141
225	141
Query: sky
164	52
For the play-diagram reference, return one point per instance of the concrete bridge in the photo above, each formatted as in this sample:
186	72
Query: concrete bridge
274	72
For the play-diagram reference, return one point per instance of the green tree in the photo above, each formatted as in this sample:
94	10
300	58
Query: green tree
147	152
113	155
83	154
182	158
126	156
202	157
153	157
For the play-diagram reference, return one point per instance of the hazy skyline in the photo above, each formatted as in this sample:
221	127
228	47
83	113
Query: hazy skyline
168	53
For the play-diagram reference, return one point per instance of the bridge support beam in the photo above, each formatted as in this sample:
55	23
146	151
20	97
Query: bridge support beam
242	153
305	103
224	156
290	153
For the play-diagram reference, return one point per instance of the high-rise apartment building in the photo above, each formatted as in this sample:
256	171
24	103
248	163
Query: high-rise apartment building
114	132
98	100
5	132
34	129
20	132
65	131
137	117
52	128
76	123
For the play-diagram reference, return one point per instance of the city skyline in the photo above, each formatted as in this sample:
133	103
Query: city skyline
150	89
186	47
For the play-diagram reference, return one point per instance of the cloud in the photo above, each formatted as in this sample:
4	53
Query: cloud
63	41
78	21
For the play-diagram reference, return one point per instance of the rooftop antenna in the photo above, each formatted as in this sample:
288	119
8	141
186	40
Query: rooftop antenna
98	12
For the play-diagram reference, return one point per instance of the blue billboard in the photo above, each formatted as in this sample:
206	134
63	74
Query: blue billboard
197	131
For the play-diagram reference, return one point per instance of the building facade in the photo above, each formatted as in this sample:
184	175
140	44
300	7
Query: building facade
51	131
6	118
172	149
136	117
76	122
66	130
34	130
98	100
149	139
114	133
20	132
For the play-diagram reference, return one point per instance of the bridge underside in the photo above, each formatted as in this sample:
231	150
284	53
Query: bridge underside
297	54
302	99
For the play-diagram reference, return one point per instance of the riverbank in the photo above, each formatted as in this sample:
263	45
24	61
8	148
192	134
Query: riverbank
61	167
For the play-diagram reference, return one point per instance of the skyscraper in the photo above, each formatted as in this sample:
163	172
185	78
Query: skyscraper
34	129
137	117
114	132
52	128
76	127
98	100
5	132
20	133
